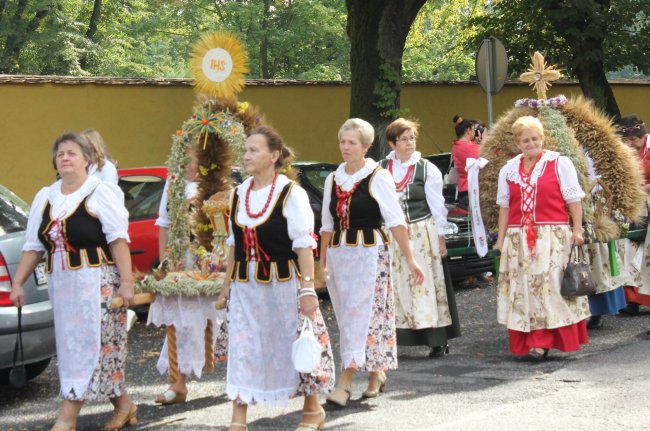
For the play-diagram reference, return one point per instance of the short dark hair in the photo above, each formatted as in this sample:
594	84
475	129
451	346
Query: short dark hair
86	148
632	126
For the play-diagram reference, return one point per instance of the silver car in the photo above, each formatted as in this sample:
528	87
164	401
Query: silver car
37	317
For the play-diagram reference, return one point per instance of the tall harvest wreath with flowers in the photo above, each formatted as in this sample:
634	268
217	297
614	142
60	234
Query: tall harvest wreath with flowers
573	127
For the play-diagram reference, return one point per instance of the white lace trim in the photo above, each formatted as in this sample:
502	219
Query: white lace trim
277	398
512	168
347	181
415	157
358	358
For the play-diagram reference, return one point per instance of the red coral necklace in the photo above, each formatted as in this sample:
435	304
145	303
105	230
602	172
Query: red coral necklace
268	199
401	186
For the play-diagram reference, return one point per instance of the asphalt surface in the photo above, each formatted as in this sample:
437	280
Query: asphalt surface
479	386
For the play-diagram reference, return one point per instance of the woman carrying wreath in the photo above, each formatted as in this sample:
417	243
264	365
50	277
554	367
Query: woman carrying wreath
271	287
423	313
537	191
80	224
354	252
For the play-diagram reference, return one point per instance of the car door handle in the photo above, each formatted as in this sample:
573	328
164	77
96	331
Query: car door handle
137	251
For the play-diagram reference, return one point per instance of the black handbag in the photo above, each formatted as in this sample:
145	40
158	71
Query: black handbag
18	374
577	279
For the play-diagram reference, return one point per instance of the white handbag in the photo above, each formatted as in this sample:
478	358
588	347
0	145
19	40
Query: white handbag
306	350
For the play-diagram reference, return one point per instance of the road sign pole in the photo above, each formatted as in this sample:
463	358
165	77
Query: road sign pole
488	73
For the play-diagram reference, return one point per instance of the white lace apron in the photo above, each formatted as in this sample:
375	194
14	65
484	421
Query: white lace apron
353	273
76	298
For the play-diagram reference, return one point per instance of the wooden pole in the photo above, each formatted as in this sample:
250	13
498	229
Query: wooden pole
209	347
172	356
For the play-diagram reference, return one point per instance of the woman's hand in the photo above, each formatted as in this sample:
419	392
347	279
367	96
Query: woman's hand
442	246
222	300
17	295
576	236
417	275
309	305
126	292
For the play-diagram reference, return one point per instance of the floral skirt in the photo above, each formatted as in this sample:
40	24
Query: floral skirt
107	380
528	292
425	305
263	322
364	306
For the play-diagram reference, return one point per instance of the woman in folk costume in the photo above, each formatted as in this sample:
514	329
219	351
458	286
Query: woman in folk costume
537	191
634	134
271	287
354	252
103	165
187	314
81	224
423	313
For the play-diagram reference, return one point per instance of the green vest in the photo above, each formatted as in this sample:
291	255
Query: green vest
414	200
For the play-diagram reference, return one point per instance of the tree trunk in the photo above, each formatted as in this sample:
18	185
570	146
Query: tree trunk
264	43
377	30
92	29
584	26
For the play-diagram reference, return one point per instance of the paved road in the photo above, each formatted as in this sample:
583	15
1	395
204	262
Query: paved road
480	386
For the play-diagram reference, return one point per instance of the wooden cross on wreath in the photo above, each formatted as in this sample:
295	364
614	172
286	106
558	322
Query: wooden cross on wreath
539	75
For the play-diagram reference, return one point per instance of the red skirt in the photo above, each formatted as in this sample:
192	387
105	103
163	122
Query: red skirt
632	295
567	338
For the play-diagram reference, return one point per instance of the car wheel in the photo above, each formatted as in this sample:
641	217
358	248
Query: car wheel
35	369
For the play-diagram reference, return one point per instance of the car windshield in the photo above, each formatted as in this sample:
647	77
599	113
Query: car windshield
142	194
315	175
13	212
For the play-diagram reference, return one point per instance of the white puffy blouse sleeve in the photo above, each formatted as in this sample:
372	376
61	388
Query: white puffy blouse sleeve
503	190
109	173
300	218
32	243
382	189
569	185
327	219
107	203
163	216
435	199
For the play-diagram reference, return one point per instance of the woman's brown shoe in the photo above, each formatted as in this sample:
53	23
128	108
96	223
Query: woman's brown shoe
304	426
340	396
379	377
122	418
60	427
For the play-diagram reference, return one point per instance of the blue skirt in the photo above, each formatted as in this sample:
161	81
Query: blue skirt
610	302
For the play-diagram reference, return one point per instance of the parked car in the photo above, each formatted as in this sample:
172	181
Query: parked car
37	317
462	263
143	188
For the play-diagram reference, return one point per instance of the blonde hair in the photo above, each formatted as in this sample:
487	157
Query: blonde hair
364	128
101	154
527	122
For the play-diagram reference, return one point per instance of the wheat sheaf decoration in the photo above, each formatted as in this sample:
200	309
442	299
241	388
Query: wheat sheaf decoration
219	65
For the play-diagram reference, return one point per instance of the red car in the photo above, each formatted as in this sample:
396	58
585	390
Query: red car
143	188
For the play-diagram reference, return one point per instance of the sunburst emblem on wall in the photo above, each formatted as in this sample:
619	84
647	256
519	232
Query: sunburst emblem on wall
219	64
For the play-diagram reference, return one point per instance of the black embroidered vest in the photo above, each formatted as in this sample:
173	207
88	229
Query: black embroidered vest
363	216
85	242
273	247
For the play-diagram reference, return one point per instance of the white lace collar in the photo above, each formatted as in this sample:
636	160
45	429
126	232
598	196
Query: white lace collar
415	157
512	167
55	196
341	177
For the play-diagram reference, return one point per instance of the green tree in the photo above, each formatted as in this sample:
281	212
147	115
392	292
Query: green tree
587	38
18	22
434	50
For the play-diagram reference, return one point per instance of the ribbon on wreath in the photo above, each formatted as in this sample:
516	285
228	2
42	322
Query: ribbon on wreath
473	167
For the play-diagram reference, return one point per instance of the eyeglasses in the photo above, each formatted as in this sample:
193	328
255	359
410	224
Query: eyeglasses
409	139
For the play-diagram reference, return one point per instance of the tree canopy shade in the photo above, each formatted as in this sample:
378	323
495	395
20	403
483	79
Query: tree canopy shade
586	38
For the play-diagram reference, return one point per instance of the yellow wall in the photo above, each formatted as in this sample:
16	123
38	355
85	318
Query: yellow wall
137	121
